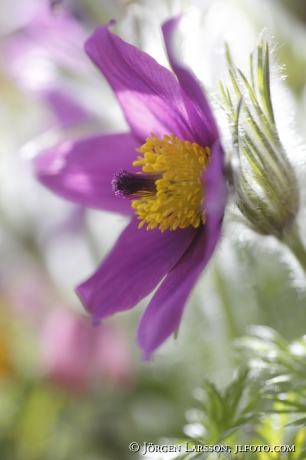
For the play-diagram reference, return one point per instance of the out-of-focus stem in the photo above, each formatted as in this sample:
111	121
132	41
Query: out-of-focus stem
294	243
224	296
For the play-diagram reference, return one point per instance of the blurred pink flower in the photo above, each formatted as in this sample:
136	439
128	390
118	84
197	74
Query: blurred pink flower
75	355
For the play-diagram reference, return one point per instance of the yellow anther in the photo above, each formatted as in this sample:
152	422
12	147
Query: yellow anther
178	201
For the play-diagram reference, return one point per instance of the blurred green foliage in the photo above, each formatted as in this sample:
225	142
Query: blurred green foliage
264	405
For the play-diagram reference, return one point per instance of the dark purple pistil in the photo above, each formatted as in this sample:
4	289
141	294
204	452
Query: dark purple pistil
128	185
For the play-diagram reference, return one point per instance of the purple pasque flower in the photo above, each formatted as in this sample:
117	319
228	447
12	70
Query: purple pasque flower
182	202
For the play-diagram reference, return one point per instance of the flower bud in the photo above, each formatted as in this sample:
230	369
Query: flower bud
263	180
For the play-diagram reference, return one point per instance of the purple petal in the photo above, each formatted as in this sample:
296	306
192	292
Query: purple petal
163	314
137	263
150	95
82	171
201	119
66	110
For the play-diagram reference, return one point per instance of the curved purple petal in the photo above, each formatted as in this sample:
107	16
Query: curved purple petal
149	94
163	314
82	171
202	119
137	263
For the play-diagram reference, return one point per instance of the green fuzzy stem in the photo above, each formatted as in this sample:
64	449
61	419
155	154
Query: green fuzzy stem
293	241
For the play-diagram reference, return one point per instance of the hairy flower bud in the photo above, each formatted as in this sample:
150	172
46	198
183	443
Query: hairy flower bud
261	175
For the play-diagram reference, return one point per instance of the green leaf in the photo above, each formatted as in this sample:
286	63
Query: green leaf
300	421
227	433
228	55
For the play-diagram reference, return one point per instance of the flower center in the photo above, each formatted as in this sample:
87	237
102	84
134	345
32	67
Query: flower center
169	192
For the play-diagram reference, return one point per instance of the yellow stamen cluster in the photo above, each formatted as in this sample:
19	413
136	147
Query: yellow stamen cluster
178	201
